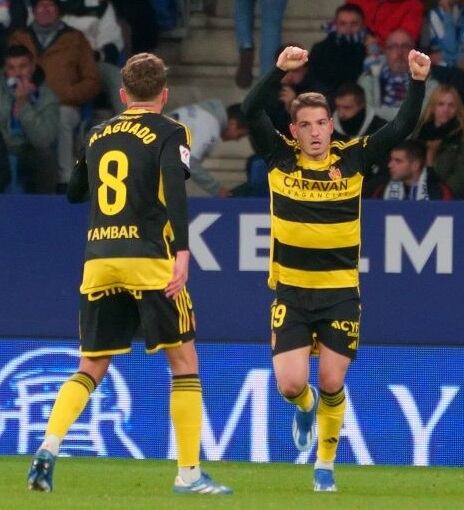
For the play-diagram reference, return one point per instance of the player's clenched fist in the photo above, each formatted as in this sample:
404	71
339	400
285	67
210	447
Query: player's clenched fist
419	65
292	58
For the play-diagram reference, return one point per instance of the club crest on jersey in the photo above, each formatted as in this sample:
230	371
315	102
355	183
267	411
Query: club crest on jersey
184	155
335	173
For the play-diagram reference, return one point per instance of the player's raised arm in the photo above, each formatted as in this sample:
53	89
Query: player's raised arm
264	136
382	141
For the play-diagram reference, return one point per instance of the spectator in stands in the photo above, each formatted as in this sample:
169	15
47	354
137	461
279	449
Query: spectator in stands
442	130
385	85
277	107
385	16
256	184
97	20
172	17
29	113
70	72
353	119
272	13
339	57
444	74
13	15
410	179
141	19
444	29
209	122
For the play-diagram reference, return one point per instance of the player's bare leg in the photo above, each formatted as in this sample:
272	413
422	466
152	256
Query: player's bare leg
291	369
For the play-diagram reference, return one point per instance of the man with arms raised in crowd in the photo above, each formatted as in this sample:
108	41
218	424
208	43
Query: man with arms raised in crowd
315	187
136	266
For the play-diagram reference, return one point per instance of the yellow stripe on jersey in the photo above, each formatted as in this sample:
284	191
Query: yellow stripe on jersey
317	215
316	235
188	133
344	145
161	195
132	273
310	190
291	142
311	164
312	279
168	235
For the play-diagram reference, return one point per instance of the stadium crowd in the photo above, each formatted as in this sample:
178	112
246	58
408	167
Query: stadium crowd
61	74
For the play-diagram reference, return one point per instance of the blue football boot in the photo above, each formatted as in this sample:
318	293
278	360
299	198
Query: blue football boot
40	476
324	481
204	485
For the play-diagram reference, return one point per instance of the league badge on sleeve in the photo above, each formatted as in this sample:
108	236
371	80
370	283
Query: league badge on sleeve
184	155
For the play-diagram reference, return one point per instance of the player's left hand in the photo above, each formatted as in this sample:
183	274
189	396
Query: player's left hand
419	65
180	276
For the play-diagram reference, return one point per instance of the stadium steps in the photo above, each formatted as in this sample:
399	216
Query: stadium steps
202	65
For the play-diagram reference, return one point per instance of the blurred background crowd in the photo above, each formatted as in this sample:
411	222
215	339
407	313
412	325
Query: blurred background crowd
61	64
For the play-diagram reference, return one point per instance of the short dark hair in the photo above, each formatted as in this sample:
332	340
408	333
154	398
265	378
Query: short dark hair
309	100
352	89
414	149
354	8
18	50
56	2
144	76
234	111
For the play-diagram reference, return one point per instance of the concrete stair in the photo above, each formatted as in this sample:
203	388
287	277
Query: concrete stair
203	64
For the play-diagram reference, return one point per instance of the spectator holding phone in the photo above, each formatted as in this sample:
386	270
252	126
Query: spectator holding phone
29	115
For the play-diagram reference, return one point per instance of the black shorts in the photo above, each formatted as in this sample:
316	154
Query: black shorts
304	317
109	320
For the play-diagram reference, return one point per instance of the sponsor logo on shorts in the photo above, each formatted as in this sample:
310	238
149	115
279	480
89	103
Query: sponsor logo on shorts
351	328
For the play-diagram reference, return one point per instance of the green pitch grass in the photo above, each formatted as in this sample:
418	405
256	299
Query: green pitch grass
120	484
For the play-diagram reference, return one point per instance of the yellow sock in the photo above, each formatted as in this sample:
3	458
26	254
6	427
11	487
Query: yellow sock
186	414
304	400
330	414
69	404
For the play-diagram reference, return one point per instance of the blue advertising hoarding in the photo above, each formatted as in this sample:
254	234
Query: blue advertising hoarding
404	405
411	283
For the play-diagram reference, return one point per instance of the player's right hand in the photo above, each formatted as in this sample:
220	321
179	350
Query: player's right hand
292	58
180	276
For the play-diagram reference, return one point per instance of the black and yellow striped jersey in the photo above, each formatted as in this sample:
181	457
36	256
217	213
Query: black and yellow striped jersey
315	217
315	205
128	163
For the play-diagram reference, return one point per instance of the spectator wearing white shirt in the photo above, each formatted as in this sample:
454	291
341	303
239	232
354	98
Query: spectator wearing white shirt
210	122
97	20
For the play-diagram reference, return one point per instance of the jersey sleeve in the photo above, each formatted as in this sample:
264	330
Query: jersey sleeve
265	138
382	141
174	164
176	150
